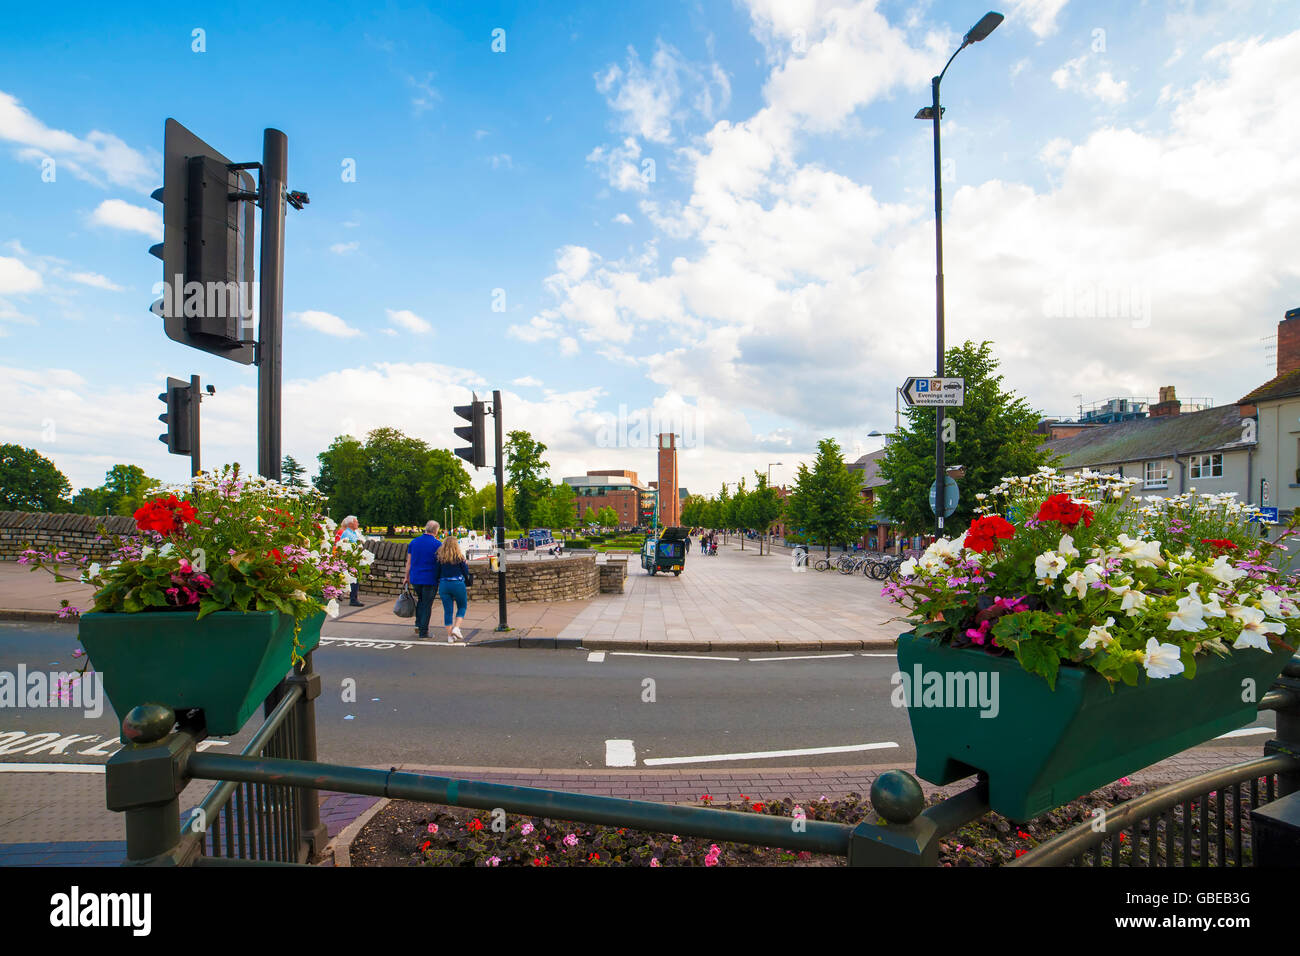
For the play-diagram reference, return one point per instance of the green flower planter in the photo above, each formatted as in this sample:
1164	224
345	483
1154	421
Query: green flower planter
1044	748
225	664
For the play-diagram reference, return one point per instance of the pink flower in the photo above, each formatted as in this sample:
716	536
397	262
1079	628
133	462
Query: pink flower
527	828
433	828
1125	782
570	840
494	861
654	861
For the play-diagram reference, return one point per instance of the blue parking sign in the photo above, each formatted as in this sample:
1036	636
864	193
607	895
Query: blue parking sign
923	386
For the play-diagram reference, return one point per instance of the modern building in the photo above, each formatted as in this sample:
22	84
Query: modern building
1275	407
619	490
1172	452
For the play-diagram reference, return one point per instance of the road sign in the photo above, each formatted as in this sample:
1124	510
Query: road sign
934	391
1266	515
950	495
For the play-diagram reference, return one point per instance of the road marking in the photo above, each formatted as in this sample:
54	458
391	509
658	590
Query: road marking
763	754
1246	732
880	655
620	753
596	657
685	657
51	768
806	657
384	645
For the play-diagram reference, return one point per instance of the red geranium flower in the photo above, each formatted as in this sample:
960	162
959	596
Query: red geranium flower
758	808
166	515
984	533
476	824
1066	510
1219	544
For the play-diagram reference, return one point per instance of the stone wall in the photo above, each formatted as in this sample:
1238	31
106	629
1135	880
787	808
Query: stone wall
75	534
613	574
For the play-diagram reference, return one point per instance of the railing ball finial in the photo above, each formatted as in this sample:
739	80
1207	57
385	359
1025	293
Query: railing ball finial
897	796
148	723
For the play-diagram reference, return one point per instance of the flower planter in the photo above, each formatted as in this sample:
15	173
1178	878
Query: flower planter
225	664
1044	748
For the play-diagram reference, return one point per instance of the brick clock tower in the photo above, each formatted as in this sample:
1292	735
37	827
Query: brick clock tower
669	505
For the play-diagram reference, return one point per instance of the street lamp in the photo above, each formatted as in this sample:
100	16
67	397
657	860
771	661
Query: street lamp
485	521
987	24
769	472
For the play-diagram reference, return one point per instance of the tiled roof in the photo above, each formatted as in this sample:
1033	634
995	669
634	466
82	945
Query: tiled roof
1143	439
869	466
1285	385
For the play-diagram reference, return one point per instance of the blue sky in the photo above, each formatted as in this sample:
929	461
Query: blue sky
769	285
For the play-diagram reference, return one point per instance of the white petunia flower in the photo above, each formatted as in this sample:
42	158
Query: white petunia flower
1066	547
1255	630
1222	571
1048	565
1162	660
1099	634
332	609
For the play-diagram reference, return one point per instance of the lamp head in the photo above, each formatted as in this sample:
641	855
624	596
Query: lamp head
988	23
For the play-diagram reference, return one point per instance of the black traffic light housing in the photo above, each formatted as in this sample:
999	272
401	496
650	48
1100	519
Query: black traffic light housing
476	453
179	436
207	248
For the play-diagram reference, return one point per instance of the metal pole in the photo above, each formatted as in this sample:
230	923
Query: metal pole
940	492
195	396
275	173
501	516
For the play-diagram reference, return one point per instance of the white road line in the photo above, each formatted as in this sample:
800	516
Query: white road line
806	657
384	645
596	657
51	768
891	654
763	754
1246	732
620	753
685	657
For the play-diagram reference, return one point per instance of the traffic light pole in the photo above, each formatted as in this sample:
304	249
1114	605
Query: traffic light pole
274	175
501	516
195	397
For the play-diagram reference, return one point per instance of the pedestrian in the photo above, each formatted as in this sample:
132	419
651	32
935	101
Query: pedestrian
350	533
422	574
452	574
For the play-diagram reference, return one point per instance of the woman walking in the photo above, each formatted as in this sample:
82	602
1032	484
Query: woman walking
350	532
451	576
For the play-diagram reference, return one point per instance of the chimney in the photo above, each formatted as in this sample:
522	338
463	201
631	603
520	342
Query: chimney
1288	342
1169	404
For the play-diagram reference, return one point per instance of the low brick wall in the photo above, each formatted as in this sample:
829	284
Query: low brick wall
613	574
75	534
572	578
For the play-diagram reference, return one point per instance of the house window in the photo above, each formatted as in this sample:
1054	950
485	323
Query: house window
1206	466
1157	475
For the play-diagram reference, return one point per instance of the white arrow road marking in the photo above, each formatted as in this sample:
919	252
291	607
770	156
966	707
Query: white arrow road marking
51	768
596	657
763	754
805	657
404	644
620	753
1246	732
685	657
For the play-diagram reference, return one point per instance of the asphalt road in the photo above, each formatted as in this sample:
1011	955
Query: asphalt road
555	709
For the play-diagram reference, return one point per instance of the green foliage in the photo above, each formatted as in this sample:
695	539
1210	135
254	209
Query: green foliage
994	436
763	506
291	472
526	470
446	484
30	482
343	477
826	503
395	473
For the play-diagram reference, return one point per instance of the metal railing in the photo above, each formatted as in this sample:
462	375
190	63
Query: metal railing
264	808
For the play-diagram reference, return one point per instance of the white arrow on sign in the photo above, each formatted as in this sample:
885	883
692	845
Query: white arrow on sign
931	391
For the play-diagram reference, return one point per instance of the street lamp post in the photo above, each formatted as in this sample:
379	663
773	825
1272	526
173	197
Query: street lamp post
769	484
485	521
987	24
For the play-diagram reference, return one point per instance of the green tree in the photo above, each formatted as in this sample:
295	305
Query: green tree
125	487
486	497
446	484
991	435
607	517
91	501
527	471
721	516
395	471
826	504
736	511
30	482
291	472
563	512
343	476
762	507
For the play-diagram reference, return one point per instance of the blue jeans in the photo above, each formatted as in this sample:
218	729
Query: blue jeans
424	595
453	592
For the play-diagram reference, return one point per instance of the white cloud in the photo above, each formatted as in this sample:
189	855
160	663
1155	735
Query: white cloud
527	382
96	280
501	161
1040	14
622	166
17	277
118	214
97	157
326	322
648	100
623	219
1108	90
343	248
409	321
425	95
569	346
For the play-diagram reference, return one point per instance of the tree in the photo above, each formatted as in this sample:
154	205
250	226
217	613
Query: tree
486	497
762	507
527	470
343	476
607	517
826	504
446	484
992	435
562	506
292	472
30	482
721	516
125	487
736	508
395	467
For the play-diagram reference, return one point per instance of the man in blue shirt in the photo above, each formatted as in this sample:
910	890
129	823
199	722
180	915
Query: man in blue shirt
421	574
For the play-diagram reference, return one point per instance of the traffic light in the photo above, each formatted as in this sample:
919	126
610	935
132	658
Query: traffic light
207	248
179	436
476	453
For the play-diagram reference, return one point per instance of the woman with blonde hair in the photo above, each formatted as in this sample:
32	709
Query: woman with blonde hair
451	575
